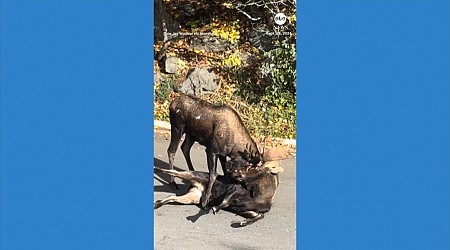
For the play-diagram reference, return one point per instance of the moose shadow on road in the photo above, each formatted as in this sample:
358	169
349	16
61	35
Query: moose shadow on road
165	180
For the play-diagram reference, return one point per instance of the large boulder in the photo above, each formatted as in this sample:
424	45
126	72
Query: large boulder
198	80
172	64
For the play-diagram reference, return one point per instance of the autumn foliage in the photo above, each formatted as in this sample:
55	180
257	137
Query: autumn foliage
260	83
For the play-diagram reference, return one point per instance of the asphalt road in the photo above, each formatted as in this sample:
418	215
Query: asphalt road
188	227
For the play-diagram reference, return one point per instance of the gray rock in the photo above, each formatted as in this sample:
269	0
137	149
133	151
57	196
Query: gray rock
197	81
209	44
172	64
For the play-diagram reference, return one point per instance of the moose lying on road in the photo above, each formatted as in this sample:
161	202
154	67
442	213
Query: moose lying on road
247	191
217	127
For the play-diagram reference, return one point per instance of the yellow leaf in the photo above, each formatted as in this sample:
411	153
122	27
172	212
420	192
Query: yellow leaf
228	5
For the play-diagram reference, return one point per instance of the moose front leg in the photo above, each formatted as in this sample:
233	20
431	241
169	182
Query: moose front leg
225	203
251	216
212	168
223	163
229	197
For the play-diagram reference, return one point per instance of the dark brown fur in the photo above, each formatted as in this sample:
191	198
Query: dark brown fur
246	191
217	127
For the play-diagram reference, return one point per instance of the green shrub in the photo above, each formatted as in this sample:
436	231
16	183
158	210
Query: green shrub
281	68
165	88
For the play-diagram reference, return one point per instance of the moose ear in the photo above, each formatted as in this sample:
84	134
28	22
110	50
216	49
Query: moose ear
271	164
277	170
261	149
228	165
273	167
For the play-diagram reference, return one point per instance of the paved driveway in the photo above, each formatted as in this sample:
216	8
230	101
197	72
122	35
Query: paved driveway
188	227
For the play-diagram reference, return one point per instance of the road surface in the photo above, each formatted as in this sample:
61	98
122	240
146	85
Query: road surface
188	227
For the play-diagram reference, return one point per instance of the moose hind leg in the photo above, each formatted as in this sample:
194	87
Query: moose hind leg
175	137
192	176
186	149
192	197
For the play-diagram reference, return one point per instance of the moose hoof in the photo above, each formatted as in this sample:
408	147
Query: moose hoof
215	210
157	204
238	224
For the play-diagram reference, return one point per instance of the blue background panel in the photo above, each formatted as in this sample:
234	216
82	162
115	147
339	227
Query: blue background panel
76	125
373	125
